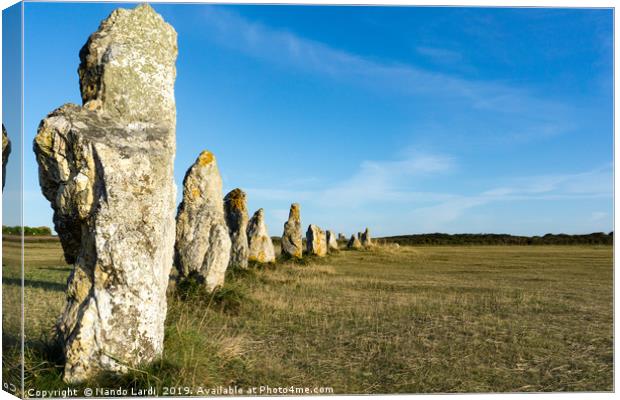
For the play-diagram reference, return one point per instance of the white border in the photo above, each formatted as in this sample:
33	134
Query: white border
471	3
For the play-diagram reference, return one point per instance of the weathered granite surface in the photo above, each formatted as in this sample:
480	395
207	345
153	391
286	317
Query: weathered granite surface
332	243
316	243
107	170
291	238
6	151
259	242
202	247
354	243
236	213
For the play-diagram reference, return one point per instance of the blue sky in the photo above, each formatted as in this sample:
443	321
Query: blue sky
403	119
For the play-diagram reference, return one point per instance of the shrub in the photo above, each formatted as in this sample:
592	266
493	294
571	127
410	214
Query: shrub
28	230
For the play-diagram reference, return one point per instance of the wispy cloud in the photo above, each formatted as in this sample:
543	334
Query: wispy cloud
375	181
593	184
289	50
389	193
439	55
393	187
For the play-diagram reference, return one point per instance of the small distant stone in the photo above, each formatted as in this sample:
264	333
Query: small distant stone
365	238
316	242
332	243
236	213
259	242
291	238
354	243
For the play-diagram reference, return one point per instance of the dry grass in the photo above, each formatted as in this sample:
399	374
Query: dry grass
408	320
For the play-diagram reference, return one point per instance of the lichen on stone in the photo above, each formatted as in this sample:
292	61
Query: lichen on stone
205	158
316	242
260	245
291	237
107	170
202	247
235	211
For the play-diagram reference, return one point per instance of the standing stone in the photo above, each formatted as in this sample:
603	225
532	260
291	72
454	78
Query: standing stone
6	150
107	170
316	243
259	241
291	238
342	237
202	248
332	243
236	213
354	243
366	239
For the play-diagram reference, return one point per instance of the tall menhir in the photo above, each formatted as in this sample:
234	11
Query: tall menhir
107	169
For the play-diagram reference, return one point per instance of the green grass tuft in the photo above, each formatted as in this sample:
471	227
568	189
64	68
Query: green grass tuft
191	287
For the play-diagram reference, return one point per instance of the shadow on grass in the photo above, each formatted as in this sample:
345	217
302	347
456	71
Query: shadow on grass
44	358
57	269
44	365
57	287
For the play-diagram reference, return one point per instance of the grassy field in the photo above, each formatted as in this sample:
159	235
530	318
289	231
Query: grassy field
408	320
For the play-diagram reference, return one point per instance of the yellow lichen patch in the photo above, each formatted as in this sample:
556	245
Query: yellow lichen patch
79	285
93	105
236	199
205	158
257	259
44	139
294	211
195	193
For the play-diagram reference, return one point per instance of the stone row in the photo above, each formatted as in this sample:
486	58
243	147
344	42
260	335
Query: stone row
106	168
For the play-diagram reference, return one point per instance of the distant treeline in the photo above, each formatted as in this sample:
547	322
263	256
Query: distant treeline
28	230
425	238
491	238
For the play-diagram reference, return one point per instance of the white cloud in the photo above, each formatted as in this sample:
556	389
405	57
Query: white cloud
592	184
388	192
289	50
598	215
386	195
375	181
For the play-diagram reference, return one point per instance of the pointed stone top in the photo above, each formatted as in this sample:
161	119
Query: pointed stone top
235	199
354	242
5	137
127	67
205	158
294	212
203	181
